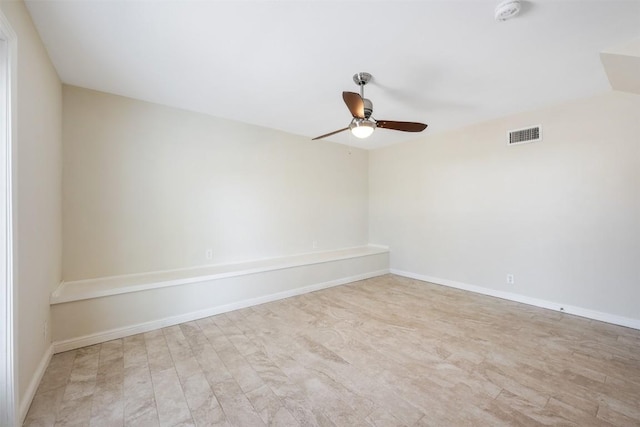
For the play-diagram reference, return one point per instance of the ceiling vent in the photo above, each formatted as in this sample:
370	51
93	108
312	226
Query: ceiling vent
524	136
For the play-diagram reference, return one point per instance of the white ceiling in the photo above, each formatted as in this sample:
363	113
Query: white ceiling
284	64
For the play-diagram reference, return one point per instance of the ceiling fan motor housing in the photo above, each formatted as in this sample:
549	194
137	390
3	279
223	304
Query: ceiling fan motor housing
368	108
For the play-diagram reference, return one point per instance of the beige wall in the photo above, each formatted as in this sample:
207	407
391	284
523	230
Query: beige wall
147	188
562	215
37	192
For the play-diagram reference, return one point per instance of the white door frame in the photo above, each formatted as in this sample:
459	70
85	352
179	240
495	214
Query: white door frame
8	363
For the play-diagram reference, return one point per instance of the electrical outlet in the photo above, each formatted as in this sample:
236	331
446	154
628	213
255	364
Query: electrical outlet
511	279
208	254
314	244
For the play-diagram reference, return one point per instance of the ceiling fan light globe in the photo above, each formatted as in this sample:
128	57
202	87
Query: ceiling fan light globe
362	129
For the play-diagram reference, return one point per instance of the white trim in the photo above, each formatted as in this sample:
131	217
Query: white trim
7	299
556	306
115	285
92	339
31	390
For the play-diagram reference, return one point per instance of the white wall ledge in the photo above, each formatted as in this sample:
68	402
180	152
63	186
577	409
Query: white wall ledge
114	285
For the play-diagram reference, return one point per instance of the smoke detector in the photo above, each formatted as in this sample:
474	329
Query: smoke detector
507	9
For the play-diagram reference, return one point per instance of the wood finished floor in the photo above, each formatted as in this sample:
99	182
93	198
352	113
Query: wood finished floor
387	351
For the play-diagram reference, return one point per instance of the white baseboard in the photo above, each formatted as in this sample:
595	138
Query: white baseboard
30	392
113	334
551	305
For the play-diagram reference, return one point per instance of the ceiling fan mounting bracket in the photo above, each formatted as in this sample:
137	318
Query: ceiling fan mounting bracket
362	79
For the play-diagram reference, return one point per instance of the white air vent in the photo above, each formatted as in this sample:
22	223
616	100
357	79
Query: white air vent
524	136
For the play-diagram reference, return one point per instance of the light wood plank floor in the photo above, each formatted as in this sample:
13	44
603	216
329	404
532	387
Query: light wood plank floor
388	351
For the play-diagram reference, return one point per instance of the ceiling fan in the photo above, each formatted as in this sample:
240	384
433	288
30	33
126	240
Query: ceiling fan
363	124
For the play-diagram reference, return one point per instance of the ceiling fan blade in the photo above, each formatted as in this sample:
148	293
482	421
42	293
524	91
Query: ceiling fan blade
355	104
403	126
329	134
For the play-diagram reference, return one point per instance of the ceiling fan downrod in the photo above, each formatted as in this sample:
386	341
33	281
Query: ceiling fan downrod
362	79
